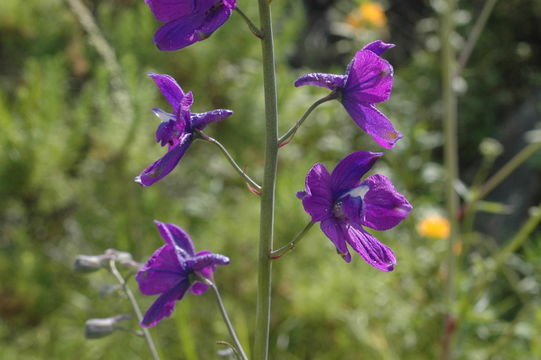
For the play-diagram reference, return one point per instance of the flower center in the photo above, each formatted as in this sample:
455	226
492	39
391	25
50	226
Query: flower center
349	206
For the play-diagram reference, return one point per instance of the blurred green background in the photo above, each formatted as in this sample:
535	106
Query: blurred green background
76	128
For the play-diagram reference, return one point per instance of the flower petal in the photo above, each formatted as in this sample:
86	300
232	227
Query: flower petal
176	237
200	121
206	259
369	79
378	47
161	272
165	304
215	18
179	33
348	172
372	251
317	200
374	123
169	88
334	231
166	164
384	207
329	81
167	10
199	288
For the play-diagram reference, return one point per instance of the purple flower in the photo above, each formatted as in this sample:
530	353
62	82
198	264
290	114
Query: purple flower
188	21
172	270
177	129
343	204
368	81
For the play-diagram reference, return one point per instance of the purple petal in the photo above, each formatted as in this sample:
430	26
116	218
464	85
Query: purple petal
166	164
214	19
384	207
318	198
334	232
352	208
329	81
378	47
197	26
160	273
230	4
200	121
348	172
372	251
165	304
374	123
199	288
206	259
168	132
176	237
369	79
167	10
169	89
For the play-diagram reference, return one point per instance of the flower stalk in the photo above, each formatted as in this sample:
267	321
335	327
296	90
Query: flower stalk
135	306
238	347
253	28
232	161
276	254
266	229
288	136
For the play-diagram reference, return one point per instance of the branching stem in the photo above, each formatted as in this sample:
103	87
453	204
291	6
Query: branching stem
276	254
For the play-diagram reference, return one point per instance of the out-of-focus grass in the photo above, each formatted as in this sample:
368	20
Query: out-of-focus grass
67	162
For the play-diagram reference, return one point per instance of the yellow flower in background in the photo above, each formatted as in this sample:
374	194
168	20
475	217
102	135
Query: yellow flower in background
368	13
434	226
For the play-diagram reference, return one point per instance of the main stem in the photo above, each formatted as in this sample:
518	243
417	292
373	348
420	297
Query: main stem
266	226
451	166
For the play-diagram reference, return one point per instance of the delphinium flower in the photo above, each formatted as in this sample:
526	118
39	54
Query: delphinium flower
343	204
177	130
368	81
188	21
172	270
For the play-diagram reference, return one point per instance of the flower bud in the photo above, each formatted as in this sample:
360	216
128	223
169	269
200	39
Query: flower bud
98	328
89	263
490	148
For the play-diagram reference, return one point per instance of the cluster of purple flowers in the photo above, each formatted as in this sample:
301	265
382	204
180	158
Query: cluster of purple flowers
342	202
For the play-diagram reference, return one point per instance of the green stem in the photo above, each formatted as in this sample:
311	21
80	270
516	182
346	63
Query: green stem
135	306
276	254
253	28
266	226
230	328
288	136
232	161
507	169
451	166
474	36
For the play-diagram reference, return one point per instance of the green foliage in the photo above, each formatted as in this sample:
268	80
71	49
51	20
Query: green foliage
68	156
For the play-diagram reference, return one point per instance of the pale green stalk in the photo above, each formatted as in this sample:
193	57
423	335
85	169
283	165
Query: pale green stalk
276	254
266	229
135	306
451	167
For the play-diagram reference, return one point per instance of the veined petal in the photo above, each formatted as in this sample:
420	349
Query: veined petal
166	164
348	172
384	207
160	273
369	78
165	304
205	259
334	231
169	88
177	238
378	47
167	10
179	33
373	122
317	200
200	121
329	81
215	18
372	251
